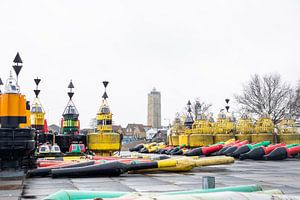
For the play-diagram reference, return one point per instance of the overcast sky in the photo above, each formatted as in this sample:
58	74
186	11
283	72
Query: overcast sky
186	49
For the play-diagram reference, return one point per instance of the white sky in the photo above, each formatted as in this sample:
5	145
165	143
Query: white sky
186	49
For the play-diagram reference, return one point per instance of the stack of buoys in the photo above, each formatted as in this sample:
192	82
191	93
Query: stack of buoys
281	153
247	147
118	166
238	149
258	153
160	148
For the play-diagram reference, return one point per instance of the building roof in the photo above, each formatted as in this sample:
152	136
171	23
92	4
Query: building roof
133	126
54	128
118	128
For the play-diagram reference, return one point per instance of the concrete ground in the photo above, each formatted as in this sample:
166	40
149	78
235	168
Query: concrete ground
284	175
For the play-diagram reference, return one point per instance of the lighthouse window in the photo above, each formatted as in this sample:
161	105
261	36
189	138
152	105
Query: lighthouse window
39	109
105	110
13	87
56	149
33	109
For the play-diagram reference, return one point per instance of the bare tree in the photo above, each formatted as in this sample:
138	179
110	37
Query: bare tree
296	104
198	107
267	94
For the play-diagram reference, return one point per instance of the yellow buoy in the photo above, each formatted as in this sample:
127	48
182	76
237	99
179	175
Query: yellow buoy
287	131
176	130
105	142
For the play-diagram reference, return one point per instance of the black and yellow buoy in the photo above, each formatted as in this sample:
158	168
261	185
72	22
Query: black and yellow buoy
37	116
176	130
104	142
70	125
17	142
184	139
224	128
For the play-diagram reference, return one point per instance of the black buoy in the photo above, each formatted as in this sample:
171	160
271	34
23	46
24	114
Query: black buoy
137	147
168	152
45	171
230	150
144	150
162	151
106	169
280	153
221	152
255	154
243	149
176	152
194	152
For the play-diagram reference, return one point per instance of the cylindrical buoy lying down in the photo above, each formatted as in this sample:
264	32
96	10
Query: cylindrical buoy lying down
204	150
234	147
45	171
184	164
258	152
227	145
107	169
281	153
164	150
77	195
220	196
137	147
117	168
240	188
247	147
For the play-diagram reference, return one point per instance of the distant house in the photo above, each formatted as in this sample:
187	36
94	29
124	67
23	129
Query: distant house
54	128
157	135
137	131
118	129
146	127
151	133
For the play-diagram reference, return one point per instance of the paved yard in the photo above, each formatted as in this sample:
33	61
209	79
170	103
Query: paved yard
284	175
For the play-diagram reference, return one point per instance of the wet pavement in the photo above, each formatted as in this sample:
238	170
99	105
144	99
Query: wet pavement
284	175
